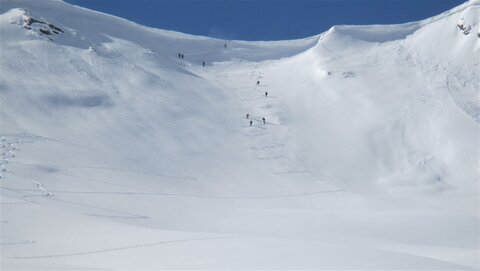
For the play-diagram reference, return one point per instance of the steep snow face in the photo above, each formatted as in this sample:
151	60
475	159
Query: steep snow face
129	147
388	103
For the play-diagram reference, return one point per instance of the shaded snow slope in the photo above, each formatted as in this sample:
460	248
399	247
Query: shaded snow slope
118	154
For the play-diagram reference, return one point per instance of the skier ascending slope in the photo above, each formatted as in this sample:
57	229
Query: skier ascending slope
251	122
263	119
266	94
258	83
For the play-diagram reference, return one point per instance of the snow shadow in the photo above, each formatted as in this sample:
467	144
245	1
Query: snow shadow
86	101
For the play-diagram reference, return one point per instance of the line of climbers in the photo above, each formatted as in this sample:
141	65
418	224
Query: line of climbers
263	118
180	55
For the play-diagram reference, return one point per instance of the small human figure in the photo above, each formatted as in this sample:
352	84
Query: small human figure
258	83
182	55
263	119
461	24
203	63
179	55
247	116
266	93
225	45
251	122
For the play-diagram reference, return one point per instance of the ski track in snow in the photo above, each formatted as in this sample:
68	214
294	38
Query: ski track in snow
126	247
7	140
8	241
26	194
9	148
127	193
466	97
177	177
265	148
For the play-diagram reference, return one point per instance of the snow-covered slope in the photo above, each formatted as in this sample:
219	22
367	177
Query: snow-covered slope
118	154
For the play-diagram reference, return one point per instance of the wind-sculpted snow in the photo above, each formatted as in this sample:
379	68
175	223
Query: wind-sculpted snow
121	150
379	33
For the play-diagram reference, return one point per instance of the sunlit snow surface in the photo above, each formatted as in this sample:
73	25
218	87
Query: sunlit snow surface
117	154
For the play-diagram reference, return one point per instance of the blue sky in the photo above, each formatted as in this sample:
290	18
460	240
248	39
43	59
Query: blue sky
266	19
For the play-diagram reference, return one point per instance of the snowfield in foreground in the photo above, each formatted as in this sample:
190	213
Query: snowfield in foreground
118	154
